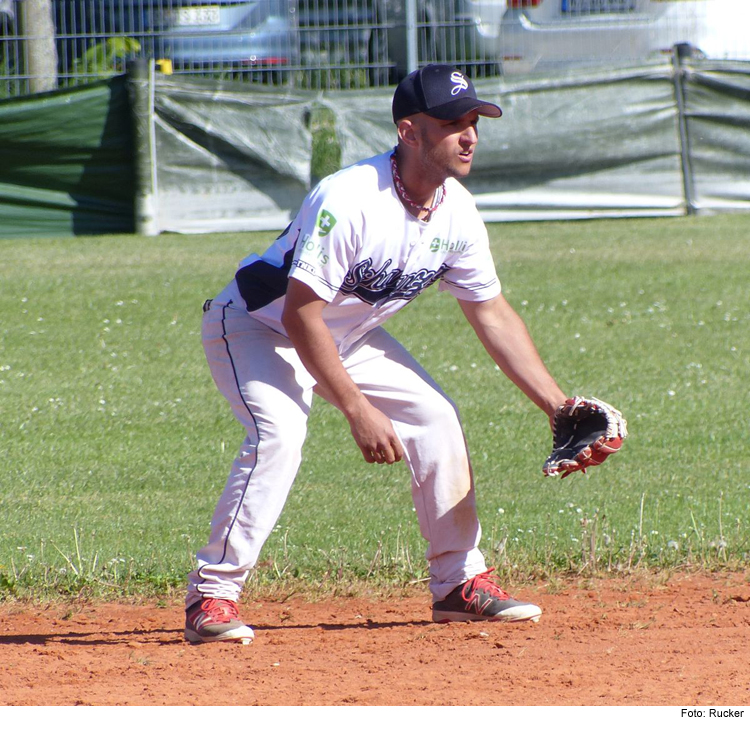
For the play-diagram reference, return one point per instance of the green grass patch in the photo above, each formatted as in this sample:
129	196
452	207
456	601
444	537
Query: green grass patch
115	443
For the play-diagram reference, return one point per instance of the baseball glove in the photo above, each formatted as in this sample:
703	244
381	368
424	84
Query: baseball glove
585	432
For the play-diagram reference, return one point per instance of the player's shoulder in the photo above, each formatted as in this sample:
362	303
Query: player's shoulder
351	194
460	202
353	178
458	191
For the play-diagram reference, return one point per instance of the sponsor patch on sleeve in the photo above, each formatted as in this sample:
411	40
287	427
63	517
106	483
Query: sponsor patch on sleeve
326	222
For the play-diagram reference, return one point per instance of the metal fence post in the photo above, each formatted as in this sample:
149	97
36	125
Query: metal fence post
403	45
38	31
141	91
412	57
680	52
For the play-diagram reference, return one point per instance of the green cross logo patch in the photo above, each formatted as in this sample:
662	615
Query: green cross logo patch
326	222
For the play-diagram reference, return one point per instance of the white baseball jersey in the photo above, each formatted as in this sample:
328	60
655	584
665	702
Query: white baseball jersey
357	247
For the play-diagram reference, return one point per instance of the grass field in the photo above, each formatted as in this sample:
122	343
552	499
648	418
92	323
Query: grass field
115	443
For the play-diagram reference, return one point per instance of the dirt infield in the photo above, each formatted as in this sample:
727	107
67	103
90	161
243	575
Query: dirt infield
677	641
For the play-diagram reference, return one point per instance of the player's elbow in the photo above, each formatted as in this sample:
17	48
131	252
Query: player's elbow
495	313
290	320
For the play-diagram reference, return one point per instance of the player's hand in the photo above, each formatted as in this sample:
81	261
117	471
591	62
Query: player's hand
374	434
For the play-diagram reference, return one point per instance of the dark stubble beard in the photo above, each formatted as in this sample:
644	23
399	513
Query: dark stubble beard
437	163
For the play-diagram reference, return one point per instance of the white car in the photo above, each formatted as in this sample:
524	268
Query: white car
538	35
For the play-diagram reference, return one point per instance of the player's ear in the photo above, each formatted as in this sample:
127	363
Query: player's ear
407	133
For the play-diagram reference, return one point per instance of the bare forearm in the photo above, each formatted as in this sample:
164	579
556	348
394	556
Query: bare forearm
317	350
507	340
372	430
520	361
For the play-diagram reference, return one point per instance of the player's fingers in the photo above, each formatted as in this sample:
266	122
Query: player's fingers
392	451
376	455
398	450
385	454
388	455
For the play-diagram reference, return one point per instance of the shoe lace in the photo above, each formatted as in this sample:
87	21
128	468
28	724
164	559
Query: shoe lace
220	610
483	582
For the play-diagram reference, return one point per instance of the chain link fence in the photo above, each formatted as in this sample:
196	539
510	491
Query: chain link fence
346	44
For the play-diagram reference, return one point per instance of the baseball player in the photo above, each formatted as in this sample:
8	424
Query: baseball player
306	317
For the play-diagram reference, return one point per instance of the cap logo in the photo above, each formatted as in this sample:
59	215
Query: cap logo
457	78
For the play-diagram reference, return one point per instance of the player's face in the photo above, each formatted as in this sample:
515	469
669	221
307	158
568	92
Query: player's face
447	146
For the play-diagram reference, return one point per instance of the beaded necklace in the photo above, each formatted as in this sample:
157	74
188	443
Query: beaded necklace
399	184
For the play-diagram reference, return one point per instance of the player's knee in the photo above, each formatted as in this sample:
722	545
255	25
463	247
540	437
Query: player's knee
441	414
283	440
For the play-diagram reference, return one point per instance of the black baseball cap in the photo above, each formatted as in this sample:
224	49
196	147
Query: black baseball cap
440	91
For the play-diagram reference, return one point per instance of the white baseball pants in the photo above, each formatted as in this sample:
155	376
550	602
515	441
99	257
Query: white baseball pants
270	391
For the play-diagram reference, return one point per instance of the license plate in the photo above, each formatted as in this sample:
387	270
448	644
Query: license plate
196	15
593	7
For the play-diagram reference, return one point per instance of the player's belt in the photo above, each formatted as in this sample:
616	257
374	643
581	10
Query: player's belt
207	305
